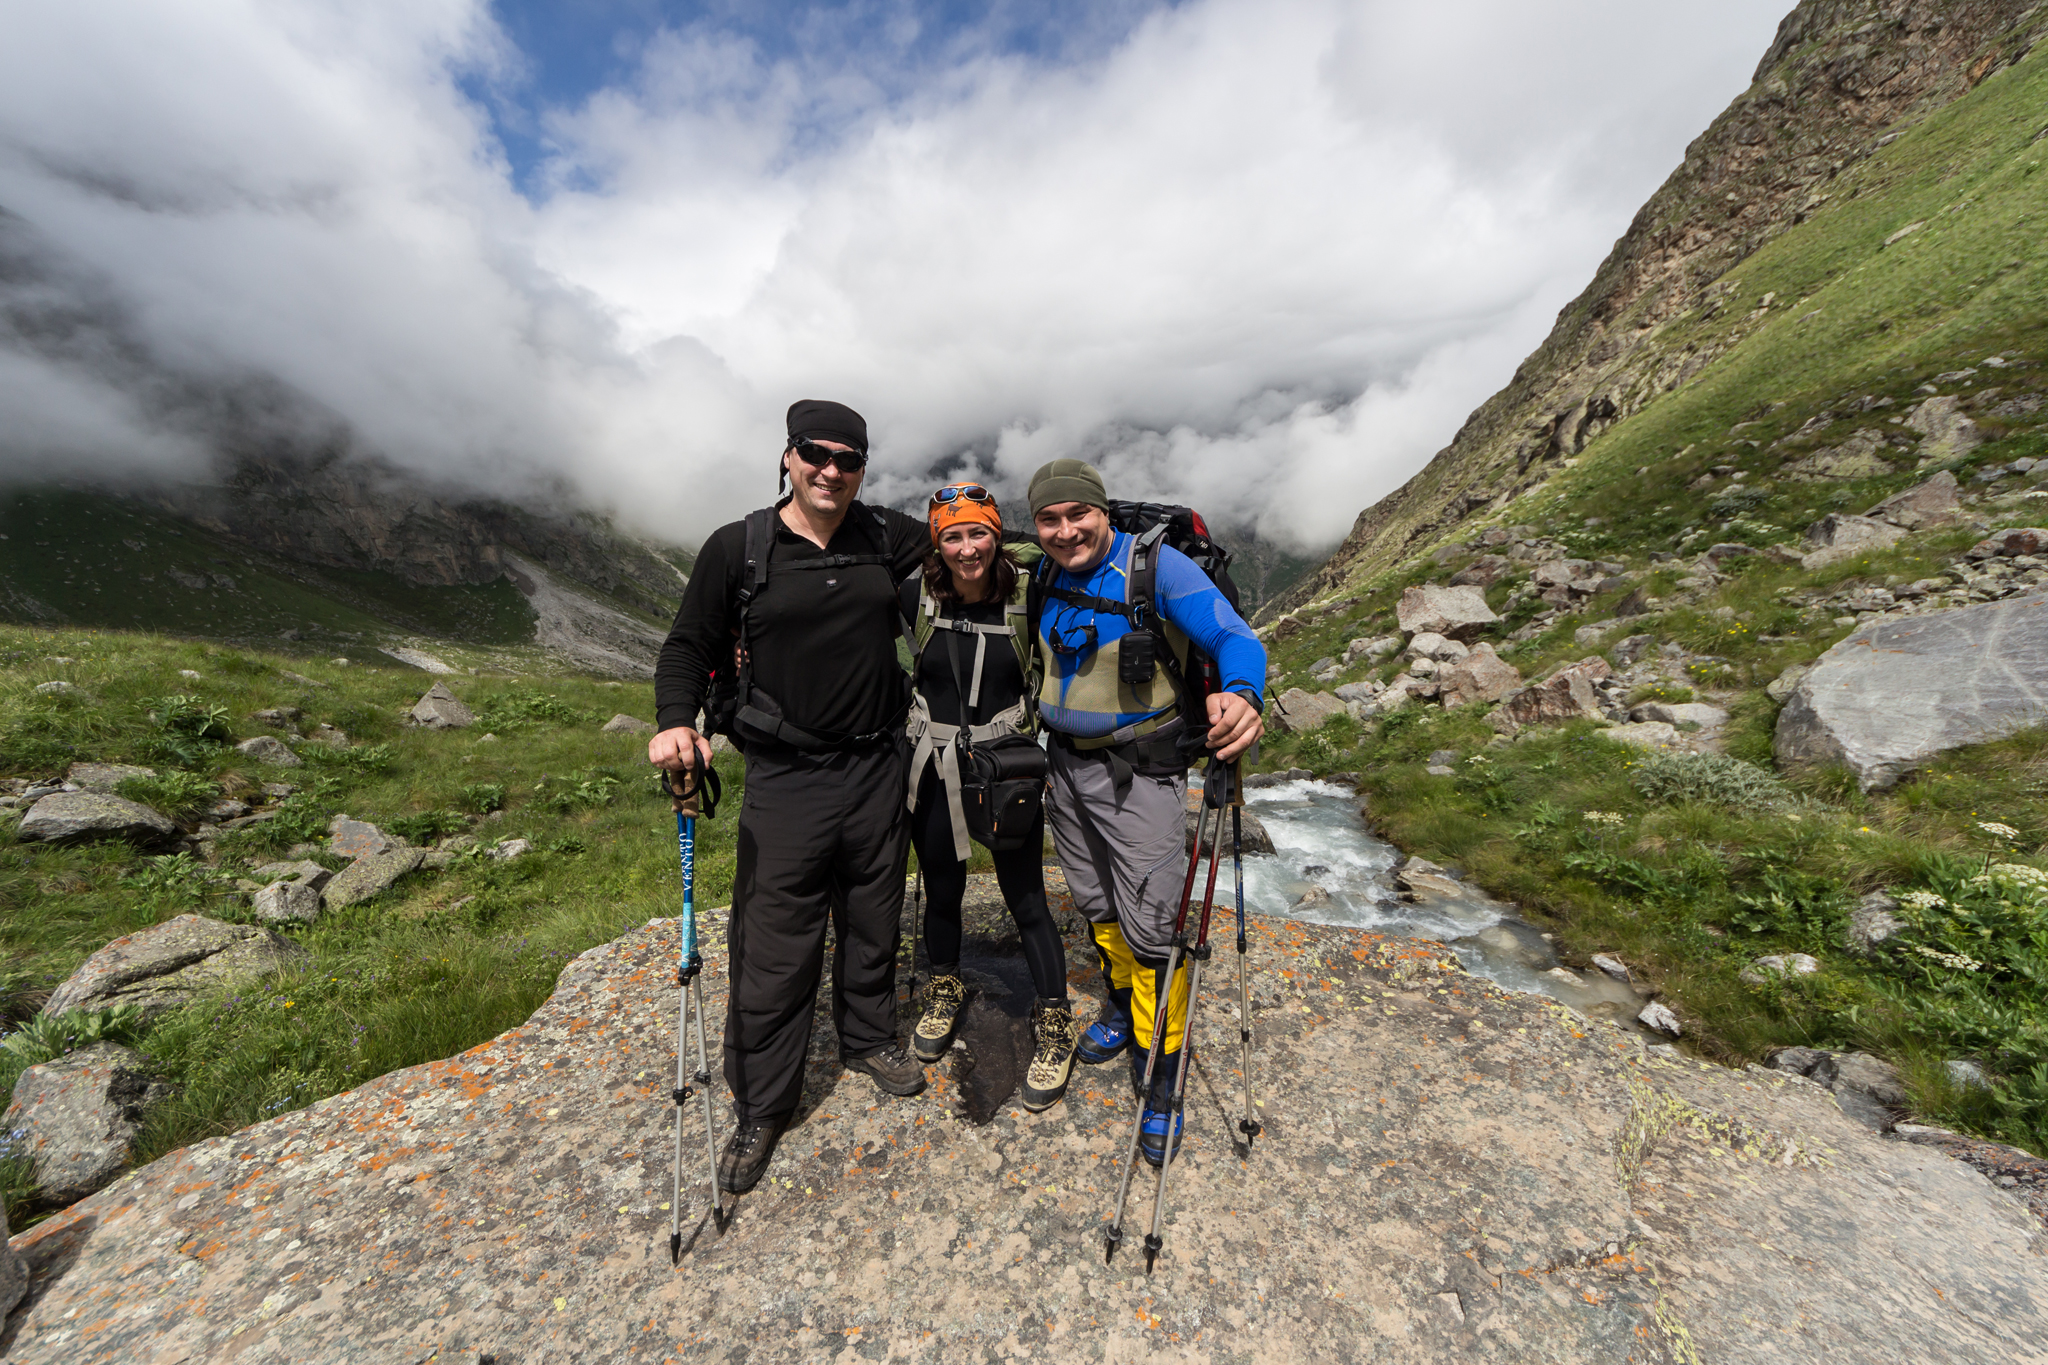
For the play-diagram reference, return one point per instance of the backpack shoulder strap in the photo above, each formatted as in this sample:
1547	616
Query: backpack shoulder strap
1142	578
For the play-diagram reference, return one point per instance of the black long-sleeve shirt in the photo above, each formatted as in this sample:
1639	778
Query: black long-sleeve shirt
823	641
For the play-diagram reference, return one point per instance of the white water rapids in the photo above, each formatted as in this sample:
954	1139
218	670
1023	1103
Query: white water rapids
1319	840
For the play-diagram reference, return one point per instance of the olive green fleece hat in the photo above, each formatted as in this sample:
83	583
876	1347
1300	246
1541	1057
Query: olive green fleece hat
1067	481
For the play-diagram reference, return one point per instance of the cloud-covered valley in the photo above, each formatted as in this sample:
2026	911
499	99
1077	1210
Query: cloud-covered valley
1259	256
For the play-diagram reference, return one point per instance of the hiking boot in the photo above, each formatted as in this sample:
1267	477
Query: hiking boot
945	995
1108	1036
746	1154
1052	1058
1152	1131
896	1072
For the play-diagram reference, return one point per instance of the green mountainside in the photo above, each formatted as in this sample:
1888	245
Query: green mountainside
1835	147
1719	391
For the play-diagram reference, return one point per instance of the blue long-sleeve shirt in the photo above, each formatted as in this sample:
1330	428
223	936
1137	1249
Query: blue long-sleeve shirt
1183	596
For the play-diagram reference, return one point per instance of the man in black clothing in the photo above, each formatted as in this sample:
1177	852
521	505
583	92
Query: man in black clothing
822	830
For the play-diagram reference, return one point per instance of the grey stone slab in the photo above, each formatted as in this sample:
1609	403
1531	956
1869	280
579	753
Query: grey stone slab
104	777
165	965
1447	1173
79	1115
84	816
1901	690
440	709
371	875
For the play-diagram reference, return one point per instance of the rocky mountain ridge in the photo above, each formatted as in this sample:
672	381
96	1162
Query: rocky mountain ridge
1842	80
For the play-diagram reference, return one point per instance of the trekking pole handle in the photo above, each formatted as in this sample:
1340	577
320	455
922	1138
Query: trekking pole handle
1222	785
693	791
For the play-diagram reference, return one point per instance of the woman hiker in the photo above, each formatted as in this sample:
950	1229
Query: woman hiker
976	667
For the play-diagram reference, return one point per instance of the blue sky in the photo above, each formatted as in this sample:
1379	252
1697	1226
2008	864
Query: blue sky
571	49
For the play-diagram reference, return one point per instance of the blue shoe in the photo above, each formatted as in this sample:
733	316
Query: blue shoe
1152	1134
1103	1039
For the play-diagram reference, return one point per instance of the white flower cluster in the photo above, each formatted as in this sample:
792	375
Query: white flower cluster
2016	878
1955	960
1479	758
1923	900
1610	818
1999	831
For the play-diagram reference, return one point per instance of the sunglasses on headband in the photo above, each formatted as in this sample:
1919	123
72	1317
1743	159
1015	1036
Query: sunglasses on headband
954	492
848	461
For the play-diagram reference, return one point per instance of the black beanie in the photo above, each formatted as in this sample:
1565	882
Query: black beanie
820	419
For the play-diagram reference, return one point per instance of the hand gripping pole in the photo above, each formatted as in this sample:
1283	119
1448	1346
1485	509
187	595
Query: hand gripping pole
693	792
1248	1125
1115	1234
1199	954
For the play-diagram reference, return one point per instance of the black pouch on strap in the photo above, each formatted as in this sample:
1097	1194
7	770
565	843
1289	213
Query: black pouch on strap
1002	784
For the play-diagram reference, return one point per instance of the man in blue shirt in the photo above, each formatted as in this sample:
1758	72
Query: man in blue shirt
1118	747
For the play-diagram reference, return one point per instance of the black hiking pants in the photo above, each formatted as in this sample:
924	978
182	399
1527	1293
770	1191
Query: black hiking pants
822	836
1020	872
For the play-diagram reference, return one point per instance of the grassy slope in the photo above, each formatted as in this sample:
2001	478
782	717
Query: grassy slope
1667	889
418	974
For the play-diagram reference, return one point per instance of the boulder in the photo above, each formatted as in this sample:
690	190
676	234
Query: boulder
1646	734
1612	966
1627	650
1838	536
1256	839
1567	694
2007	544
279	718
304	871
1681	713
1874	920
1480	676
1902	689
1780	688
1483	572
78	817
286	902
1855	458
348	838
1924	504
1657	1015
627	725
1880	1080
1374	649
1430	645
270	749
370	875
441	709
509	849
1298	712
1460	613
13	1275
1816	1064
104	777
1776	965
1945	433
80	1115
165	965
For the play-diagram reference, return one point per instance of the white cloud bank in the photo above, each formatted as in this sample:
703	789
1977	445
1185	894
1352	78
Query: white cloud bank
1262	256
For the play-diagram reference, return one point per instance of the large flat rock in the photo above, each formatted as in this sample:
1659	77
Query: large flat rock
78	1116
164	966
81	816
1448	1173
1902	689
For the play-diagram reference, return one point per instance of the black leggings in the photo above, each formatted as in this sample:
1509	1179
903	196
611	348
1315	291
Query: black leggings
1020	872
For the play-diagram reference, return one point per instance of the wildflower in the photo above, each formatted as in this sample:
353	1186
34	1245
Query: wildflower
1608	818
1998	831
1923	900
1958	961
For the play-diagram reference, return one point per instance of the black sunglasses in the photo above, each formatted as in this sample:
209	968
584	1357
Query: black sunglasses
848	461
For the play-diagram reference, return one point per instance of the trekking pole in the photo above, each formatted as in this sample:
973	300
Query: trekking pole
1248	1125
1197	955
1115	1235
698	794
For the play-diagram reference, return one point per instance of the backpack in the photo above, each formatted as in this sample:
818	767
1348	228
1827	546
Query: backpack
737	708
1139	655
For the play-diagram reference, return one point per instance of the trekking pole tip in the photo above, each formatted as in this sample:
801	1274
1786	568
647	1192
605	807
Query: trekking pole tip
675	1248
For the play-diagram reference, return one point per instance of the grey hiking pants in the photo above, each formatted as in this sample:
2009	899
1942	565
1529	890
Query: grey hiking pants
1124	853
